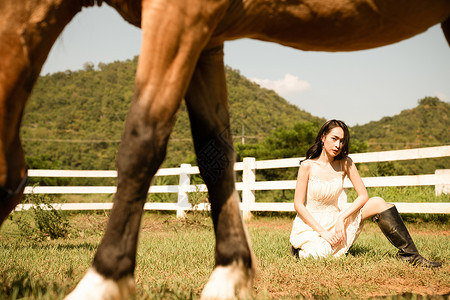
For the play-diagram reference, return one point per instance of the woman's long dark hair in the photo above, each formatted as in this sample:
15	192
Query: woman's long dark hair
316	149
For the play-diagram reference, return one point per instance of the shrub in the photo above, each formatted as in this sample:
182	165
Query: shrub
42	220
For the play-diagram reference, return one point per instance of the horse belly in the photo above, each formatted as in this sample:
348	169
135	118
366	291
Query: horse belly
321	25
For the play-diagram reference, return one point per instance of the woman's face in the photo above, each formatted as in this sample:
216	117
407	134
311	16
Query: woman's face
333	141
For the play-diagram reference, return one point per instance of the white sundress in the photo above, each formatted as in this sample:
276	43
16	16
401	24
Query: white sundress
322	201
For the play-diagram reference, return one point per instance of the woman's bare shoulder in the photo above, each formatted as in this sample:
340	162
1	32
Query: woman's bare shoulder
305	166
306	163
348	160
347	163
304	170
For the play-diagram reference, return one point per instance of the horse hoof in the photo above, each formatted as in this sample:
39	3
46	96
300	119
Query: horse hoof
95	286
228	282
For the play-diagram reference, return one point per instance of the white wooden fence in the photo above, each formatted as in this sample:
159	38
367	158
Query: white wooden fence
440	179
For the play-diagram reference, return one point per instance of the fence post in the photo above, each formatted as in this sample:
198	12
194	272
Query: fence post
442	188
248	180
183	188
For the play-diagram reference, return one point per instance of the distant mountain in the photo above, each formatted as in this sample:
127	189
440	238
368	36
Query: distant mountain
426	125
74	120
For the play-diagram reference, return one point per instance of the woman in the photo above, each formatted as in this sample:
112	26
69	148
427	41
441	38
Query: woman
321	228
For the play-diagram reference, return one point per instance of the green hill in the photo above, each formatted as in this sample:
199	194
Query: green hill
426	125
74	120
423	126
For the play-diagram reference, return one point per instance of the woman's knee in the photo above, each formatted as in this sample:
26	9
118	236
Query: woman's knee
377	201
374	206
380	203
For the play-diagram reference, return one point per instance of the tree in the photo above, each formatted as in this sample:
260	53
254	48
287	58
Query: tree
88	66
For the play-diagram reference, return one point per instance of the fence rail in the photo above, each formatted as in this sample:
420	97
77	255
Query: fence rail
248	186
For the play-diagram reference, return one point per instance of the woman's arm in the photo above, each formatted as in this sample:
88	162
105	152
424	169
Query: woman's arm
299	201
363	196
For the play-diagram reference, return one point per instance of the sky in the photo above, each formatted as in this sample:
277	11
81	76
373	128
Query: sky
356	87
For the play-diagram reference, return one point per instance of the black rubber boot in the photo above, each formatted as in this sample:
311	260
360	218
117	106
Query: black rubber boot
391	224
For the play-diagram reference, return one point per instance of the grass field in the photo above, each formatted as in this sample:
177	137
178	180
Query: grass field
175	259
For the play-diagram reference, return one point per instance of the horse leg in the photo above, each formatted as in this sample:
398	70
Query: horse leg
12	168
207	105
12	161
27	33
173	37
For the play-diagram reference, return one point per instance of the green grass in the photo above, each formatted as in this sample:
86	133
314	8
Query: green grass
390	194
404	194
175	259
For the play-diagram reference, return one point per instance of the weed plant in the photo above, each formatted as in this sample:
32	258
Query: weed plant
42	220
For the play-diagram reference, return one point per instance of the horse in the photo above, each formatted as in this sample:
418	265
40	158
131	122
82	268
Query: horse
182	58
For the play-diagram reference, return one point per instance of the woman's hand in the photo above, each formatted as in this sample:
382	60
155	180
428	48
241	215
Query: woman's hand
331	238
340	232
